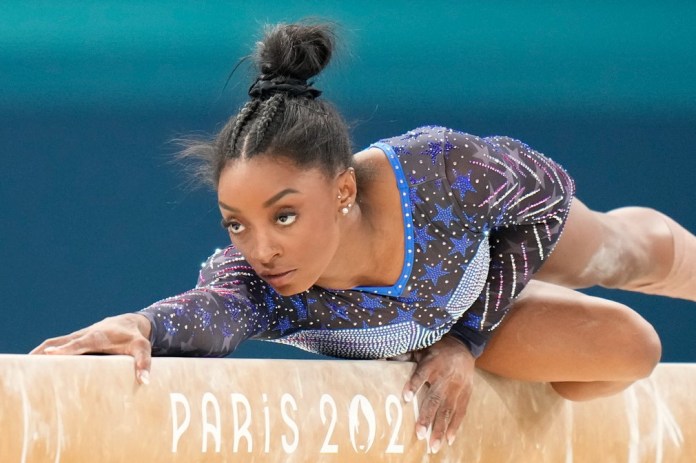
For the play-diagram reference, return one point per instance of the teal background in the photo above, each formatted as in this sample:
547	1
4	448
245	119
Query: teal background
96	220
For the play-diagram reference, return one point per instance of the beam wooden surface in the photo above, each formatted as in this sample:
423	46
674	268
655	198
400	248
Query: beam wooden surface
90	409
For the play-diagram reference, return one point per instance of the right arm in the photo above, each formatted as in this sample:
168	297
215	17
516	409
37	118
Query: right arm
209	320
214	317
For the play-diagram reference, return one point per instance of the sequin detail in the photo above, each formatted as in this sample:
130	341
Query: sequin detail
480	215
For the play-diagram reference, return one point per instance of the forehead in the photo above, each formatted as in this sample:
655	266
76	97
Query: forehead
268	173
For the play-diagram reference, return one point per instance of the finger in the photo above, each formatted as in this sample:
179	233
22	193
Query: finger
89	343
419	377
51	344
443	417
57	341
41	347
454	424
458	416
432	402
141	350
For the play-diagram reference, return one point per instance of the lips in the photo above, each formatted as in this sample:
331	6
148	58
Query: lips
277	278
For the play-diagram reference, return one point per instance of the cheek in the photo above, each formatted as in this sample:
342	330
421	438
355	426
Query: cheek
319	237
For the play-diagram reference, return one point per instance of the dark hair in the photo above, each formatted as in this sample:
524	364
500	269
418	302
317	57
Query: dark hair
283	116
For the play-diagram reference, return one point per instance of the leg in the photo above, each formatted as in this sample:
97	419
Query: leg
632	248
584	346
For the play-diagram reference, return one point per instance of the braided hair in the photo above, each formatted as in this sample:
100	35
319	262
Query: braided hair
284	116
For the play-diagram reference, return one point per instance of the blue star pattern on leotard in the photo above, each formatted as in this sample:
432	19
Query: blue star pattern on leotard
460	245
433	273
422	236
434	149
372	302
441	300
462	183
480	217
444	215
300	307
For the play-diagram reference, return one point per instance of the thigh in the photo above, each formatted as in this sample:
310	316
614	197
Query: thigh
589	252
558	334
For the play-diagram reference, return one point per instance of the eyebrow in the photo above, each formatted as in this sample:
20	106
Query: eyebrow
270	201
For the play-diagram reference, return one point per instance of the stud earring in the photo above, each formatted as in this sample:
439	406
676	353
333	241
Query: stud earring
340	197
344	211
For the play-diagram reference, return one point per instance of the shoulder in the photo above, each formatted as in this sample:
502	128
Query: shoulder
224	266
416	136
426	151
432	141
421	136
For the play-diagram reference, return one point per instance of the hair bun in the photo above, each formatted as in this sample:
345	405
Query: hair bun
295	51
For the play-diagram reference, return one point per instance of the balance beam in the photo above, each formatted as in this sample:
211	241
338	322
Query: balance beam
89	408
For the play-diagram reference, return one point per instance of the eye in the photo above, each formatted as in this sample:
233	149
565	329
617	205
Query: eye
233	227
286	218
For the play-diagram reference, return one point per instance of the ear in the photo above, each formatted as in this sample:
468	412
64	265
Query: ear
346	188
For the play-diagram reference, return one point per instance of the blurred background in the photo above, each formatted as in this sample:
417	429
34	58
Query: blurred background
96	220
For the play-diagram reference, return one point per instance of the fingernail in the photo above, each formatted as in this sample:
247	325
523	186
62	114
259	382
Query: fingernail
48	350
450	440
421	432
436	446
408	396
145	377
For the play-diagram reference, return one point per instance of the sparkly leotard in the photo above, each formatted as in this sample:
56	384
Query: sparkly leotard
480	217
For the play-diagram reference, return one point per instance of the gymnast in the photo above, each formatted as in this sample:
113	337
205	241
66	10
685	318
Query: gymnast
449	249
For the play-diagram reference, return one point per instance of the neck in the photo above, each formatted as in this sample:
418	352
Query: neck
370	251
363	255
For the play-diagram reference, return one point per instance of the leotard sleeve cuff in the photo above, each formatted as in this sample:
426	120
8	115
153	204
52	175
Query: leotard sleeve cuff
475	341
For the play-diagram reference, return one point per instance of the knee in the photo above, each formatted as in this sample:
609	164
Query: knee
638	347
623	345
646	246
648	358
634	353
651	352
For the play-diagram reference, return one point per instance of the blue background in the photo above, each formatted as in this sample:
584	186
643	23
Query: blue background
97	221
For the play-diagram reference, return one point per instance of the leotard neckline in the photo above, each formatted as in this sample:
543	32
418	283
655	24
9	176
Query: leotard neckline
404	195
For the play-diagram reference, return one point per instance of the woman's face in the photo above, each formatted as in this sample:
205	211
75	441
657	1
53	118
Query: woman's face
284	220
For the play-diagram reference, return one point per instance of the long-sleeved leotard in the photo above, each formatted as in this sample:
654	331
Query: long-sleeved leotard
480	216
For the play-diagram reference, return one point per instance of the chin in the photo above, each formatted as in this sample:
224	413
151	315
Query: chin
291	289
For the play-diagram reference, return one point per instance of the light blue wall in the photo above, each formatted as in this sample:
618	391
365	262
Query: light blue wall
96	221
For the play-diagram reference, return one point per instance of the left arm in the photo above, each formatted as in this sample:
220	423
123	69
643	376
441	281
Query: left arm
520	203
525	204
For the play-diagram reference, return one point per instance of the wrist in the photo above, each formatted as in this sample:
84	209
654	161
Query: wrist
474	340
142	323
465	345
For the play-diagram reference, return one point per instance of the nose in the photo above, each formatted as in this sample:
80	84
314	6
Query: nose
265	249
